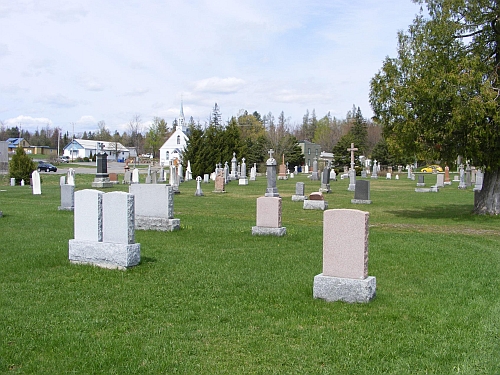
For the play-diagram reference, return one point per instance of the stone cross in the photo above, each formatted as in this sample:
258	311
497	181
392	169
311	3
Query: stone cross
199	192
270	152
352	149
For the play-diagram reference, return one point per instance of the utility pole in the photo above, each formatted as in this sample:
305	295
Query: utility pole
73	142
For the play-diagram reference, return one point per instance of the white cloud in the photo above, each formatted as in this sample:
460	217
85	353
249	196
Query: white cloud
61	11
136	92
4	50
67	59
27	122
219	85
57	100
92	85
11	89
38	66
87	119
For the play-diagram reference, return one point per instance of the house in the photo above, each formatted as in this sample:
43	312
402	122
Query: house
81	148
310	151
29	149
19	142
176	144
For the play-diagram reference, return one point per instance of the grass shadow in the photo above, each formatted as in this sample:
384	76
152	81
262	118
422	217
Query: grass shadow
145	260
456	212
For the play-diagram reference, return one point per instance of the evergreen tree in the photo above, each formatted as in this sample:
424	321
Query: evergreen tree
439	97
358	130
232	142
193	151
21	166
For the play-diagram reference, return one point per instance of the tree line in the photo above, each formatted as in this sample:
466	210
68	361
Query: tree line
249	135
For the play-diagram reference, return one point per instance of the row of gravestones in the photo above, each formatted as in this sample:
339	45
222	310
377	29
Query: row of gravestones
105	223
316	201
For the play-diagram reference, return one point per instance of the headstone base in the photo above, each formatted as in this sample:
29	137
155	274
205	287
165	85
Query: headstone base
447	183
272	192
267	231
102	182
157	223
352	187
325	188
426	190
243	181
420	184
375	177
333	289
298	198
310	204
61	208
361	201
105	254
314	176
282	177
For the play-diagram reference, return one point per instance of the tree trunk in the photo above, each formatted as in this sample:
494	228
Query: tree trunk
487	201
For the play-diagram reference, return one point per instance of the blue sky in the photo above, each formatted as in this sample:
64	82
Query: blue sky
82	61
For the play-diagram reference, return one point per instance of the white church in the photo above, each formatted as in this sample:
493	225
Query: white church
174	146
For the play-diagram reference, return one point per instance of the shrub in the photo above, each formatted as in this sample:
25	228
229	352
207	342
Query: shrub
21	166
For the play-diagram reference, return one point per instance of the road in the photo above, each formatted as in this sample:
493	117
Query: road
113	167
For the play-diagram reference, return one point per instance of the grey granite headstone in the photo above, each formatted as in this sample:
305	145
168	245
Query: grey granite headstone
88	215
67	198
299	195
421	181
118	215
272	190
325	180
154	207
315	173
104	230
127	177
362	192
4	156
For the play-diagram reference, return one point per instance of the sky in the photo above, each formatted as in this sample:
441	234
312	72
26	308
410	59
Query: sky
73	63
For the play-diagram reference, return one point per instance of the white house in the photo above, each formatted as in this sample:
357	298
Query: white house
81	148
176	144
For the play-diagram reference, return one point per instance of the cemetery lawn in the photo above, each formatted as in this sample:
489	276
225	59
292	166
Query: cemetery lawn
213	299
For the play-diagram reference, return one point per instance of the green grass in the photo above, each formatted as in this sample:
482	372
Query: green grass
213	299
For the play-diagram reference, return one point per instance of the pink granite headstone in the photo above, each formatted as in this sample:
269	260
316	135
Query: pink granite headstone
269	212
345	258
345	243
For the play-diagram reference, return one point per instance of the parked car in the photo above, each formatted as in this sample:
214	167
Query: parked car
431	168
47	167
64	159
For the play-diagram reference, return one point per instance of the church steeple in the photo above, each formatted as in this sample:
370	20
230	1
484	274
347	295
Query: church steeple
181	121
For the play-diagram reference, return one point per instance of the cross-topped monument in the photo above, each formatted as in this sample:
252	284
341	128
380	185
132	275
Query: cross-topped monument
352	149
270	152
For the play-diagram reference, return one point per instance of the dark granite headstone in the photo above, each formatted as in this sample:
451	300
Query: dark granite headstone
362	191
